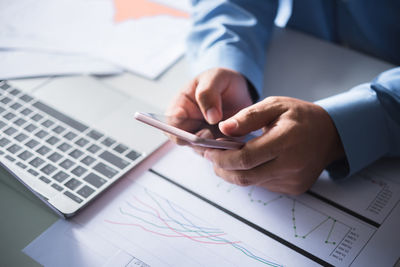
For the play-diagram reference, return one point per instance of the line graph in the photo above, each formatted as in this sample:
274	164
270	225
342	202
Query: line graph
160	217
300	231
300	221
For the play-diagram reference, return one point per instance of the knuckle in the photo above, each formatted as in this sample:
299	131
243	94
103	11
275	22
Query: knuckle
250	113
245	160
241	180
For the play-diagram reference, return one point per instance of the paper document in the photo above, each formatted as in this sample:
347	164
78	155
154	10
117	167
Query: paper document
152	222
23	64
141	36
344	223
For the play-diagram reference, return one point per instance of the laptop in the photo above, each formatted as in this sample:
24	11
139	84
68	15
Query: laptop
71	138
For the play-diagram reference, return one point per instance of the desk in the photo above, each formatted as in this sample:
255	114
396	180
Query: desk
317	69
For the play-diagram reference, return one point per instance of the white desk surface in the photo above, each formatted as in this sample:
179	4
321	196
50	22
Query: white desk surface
298	66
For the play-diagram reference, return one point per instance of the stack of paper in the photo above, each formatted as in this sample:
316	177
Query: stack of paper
48	37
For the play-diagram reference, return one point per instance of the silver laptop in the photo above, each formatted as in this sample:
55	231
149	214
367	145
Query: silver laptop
71	138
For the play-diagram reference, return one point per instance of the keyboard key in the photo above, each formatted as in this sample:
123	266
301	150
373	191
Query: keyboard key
5	86
88	160
64	147
15	106
93	148
78	171
54	157
82	142
47	123
4	142
108	141
73	184
33	172
2	124
10	131
70	135
43	150
107	171
95	135
59	129
25	155
73	197
26	98
48	169
26	111
20	137
76	153
30	128
41	134
36	162
19	122
21	165
9	116
114	160
57	187
132	155
66	164
14	148
2	109
5	100
121	148
60	176
60	116
95	180
85	191
32	143
15	92
53	140
37	117
10	158
44	179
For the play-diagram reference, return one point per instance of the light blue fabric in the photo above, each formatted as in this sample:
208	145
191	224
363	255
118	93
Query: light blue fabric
234	34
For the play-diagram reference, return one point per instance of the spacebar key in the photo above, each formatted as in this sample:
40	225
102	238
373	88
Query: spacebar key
114	160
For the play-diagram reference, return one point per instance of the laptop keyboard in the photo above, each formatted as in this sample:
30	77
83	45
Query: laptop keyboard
61	152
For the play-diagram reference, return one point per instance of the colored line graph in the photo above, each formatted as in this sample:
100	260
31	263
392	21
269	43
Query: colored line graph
159	216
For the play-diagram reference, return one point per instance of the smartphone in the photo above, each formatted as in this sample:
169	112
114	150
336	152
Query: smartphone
186	129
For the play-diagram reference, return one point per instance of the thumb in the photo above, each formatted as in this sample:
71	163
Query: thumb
251	118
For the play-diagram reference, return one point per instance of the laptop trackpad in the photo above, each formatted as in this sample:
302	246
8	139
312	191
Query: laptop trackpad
83	97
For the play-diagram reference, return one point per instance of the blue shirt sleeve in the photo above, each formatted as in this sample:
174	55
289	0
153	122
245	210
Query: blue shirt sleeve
367	118
231	34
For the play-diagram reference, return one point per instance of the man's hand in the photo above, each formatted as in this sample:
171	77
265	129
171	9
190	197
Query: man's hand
214	95
298	142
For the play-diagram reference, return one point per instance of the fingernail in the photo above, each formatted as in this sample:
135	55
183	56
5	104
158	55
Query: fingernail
229	124
212	115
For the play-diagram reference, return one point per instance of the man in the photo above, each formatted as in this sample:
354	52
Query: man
343	133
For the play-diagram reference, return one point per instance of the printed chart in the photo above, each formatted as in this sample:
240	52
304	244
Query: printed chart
316	226
151	222
156	216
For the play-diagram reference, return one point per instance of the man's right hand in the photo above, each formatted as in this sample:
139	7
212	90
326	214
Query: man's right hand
214	95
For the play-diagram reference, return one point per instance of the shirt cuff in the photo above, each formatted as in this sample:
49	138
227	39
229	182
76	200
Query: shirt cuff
230	57
361	124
